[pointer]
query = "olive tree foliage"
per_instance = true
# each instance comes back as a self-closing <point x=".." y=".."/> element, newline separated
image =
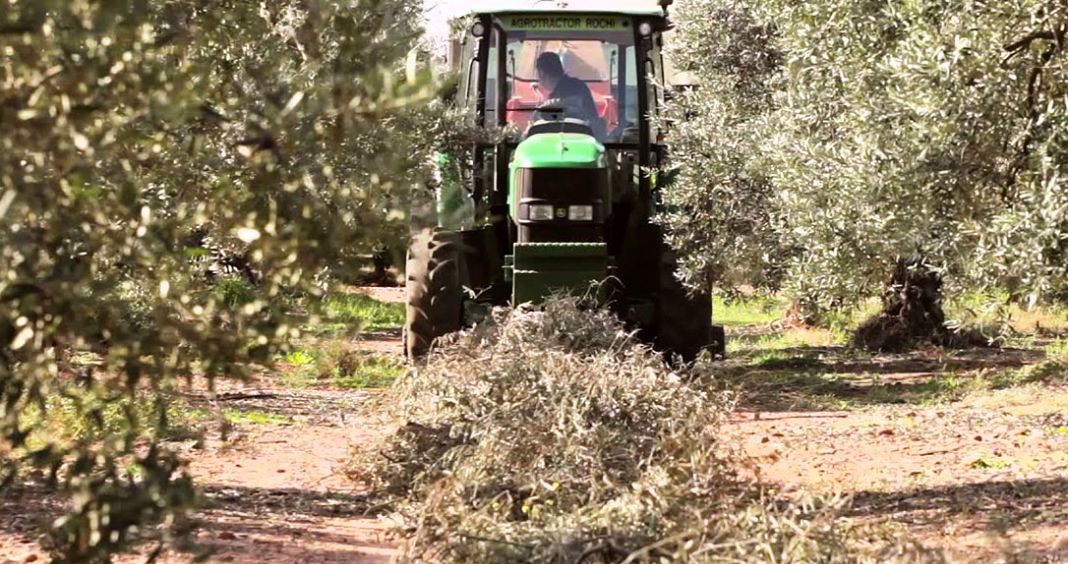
<point x="885" y="130"/>
<point x="124" y="128"/>
<point x="720" y="212"/>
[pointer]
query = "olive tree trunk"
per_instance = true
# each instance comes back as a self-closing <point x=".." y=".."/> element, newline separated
<point x="912" y="311"/>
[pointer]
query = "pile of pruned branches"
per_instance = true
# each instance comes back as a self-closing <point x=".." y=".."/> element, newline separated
<point x="553" y="436"/>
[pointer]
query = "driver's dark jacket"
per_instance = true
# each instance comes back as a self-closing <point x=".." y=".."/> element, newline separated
<point x="571" y="87"/>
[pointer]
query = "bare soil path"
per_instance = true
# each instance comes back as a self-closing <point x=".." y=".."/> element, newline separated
<point x="277" y="492"/>
<point x="383" y="342"/>
<point x="983" y="476"/>
<point x="275" y="489"/>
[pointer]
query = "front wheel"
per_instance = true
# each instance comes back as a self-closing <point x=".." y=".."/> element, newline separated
<point x="435" y="293"/>
<point x="684" y="318"/>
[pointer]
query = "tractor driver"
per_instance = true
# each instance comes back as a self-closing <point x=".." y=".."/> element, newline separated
<point x="573" y="92"/>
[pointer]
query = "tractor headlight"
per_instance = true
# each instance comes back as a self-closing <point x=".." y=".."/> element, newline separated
<point x="539" y="212"/>
<point x="580" y="213"/>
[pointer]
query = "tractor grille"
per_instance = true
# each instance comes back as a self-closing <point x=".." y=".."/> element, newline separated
<point x="562" y="187"/>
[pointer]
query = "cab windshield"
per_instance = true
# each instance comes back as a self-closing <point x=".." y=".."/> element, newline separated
<point x="604" y="62"/>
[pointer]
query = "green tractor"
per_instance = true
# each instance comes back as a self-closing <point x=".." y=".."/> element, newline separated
<point x="566" y="200"/>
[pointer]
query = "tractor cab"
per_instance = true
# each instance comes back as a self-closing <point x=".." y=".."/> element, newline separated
<point x="611" y="49"/>
<point x="599" y="52"/>
<point x="564" y="196"/>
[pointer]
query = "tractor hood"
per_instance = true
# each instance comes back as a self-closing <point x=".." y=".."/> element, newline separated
<point x="559" y="150"/>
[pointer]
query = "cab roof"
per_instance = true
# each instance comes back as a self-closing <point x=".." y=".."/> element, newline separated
<point x="650" y="8"/>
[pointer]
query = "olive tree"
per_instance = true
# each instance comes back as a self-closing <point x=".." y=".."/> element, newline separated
<point x="930" y="133"/>
<point x="124" y="128"/>
<point x="720" y="210"/>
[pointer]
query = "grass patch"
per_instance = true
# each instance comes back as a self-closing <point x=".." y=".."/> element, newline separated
<point x="237" y="417"/>
<point x="793" y="390"/>
<point x="749" y="310"/>
<point x="300" y="358"/>
<point x="86" y="416"/>
<point x="780" y="344"/>
<point x="371" y="371"/>
<point x="783" y="360"/>
<point x="1057" y="350"/>
<point x="254" y="417"/>
<point x="993" y="310"/>
<point x="1049" y="372"/>
<point x="804" y="368"/>
<point x="790" y="380"/>
<point x="938" y="390"/>
<point x="335" y="363"/>
<point x="991" y="463"/>
<point x="364" y="312"/>
<point x="235" y="291"/>
<point x="798" y="390"/>
<point x="843" y="324"/>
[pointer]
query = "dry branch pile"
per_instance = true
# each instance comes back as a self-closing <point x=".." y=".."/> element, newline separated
<point x="553" y="436"/>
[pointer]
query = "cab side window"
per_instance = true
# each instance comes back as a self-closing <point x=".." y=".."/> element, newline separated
<point x="469" y="70"/>
<point x="492" y="79"/>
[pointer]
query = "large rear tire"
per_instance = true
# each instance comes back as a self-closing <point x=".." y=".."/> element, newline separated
<point x="683" y="318"/>
<point x="434" y="288"/>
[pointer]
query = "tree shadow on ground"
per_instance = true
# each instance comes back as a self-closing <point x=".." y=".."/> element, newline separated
<point x="828" y="378"/>
<point x="314" y="404"/>
<point x="846" y="361"/>
<point x="251" y="524"/>
<point x="262" y="524"/>
<point x="289" y="501"/>
<point x="994" y="507"/>
<point x="27" y="510"/>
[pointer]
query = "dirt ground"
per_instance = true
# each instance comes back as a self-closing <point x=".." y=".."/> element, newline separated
<point x="384" y="342"/>
<point x="278" y="492"/>
<point x="274" y="491"/>
<point x="983" y="475"/>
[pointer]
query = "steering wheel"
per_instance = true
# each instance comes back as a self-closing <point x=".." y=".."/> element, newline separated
<point x="570" y="107"/>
